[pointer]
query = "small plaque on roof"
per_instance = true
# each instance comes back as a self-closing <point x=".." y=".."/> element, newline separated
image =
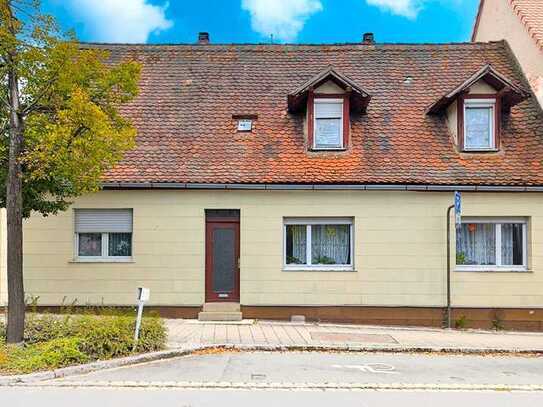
<point x="245" y="125"/>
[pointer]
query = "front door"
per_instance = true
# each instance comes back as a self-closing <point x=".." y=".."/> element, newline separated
<point x="222" y="259"/>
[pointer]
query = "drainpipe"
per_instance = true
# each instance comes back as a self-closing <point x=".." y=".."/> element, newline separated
<point x="449" y="265"/>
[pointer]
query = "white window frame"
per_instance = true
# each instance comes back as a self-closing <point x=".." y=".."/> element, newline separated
<point x="481" y="103"/>
<point x="308" y="222"/>
<point x="498" y="266"/>
<point x="315" y="118"/>
<point x="105" y="257"/>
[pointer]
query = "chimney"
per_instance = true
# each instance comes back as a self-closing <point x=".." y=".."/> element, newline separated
<point x="203" y="38"/>
<point x="368" y="38"/>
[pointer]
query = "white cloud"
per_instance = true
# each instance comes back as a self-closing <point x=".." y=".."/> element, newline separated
<point x="406" y="8"/>
<point x="282" y="18"/>
<point x="120" y="20"/>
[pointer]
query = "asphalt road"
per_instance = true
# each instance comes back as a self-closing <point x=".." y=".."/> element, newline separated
<point x="320" y="368"/>
<point x="115" y="397"/>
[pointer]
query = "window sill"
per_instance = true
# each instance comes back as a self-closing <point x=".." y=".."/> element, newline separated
<point x="102" y="260"/>
<point x="319" y="270"/>
<point x="491" y="270"/>
<point x="482" y="150"/>
<point x="319" y="150"/>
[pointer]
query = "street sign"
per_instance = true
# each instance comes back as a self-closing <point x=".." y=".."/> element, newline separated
<point x="458" y="208"/>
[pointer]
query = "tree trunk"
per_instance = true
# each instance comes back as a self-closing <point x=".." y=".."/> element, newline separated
<point x="14" y="209"/>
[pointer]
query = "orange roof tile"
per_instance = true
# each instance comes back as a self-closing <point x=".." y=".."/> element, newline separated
<point x="189" y="94"/>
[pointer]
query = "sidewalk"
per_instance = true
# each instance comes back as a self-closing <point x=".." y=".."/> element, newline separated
<point x="183" y="333"/>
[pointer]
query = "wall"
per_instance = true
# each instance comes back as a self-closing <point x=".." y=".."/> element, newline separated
<point x="399" y="250"/>
<point x="3" y="259"/>
<point x="498" y="21"/>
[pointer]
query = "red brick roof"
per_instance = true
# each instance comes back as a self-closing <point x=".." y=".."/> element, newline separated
<point x="189" y="93"/>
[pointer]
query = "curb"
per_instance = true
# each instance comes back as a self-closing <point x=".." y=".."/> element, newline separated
<point x="190" y="349"/>
<point x="293" y="386"/>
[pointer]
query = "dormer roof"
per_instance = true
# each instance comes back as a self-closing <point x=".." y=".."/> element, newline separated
<point x="359" y="98"/>
<point x="510" y="93"/>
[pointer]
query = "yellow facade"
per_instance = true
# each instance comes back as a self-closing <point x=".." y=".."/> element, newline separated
<point x="399" y="250"/>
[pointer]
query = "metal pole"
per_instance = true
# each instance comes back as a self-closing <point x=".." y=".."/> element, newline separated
<point x="138" y="322"/>
<point x="449" y="265"/>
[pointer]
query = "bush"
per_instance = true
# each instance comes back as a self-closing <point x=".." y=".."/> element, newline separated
<point x="43" y="328"/>
<point x="48" y="355"/>
<point x="59" y="340"/>
<point x="107" y="337"/>
<point x="2" y="332"/>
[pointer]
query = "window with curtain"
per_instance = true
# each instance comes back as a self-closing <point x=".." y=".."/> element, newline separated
<point x="491" y="244"/>
<point x="328" y="131"/>
<point x="479" y="124"/>
<point x="103" y="234"/>
<point x="318" y="244"/>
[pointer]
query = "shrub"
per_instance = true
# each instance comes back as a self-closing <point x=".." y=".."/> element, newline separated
<point x="59" y="340"/>
<point x="112" y="336"/>
<point x="48" y="355"/>
<point x="45" y="327"/>
<point x="2" y="332"/>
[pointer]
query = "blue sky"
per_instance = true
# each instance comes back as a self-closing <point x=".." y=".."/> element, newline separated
<point x="251" y="21"/>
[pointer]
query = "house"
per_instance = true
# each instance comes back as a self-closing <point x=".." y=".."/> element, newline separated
<point x="520" y="22"/>
<point x="314" y="180"/>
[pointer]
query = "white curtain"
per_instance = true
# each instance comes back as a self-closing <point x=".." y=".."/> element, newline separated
<point x="476" y="244"/>
<point x="478" y="127"/>
<point x="330" y="244"/>
<point x="298" y="234"/>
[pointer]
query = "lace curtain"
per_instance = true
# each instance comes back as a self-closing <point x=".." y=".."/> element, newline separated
<point x="476" y="244"/>
<point x="478" y="127"/>
<point x="296" y="242"/>
<point x="330" y="244"/>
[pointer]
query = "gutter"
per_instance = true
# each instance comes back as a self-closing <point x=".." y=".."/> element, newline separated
<point x="321" y="187"/>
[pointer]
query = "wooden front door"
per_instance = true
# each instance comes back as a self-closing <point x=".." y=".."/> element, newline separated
<point x="222" y="260"/>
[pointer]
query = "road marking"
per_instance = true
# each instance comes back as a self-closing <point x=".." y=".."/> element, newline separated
<point x="370" y="368"/>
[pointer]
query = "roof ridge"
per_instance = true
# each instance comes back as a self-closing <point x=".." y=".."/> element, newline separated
<point x="295" y="45"/>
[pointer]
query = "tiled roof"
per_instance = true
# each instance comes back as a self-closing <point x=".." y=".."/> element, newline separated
<point x="189" y="93"/>
<point x="530" y="13"/>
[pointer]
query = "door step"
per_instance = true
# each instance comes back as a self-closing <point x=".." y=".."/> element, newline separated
<point x="220" y="311"/>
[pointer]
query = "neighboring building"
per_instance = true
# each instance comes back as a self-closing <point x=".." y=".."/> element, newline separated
<point x="313" y="180"/>
<point x="520" y="22"/>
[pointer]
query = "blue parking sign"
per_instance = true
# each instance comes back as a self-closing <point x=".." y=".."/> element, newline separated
<point x="458" y="207"/>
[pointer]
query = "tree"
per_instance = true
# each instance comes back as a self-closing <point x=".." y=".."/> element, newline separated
<point x="60" y="126"/>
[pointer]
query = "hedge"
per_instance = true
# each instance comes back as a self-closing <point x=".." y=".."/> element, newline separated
<point x="53" y="341"/>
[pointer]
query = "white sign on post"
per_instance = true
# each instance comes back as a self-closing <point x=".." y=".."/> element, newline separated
<point x="458" y="208"/>
<point x="143" y="297"/>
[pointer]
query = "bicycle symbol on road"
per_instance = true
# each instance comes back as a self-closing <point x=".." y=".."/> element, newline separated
<point x="370" y="368"/>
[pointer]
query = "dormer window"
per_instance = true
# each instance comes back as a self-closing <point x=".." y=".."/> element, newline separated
<point x="328" y="126"/>
<point x="474" y="109"/>
<point x="479" y="124"/>
<point x="328" y="100"/>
